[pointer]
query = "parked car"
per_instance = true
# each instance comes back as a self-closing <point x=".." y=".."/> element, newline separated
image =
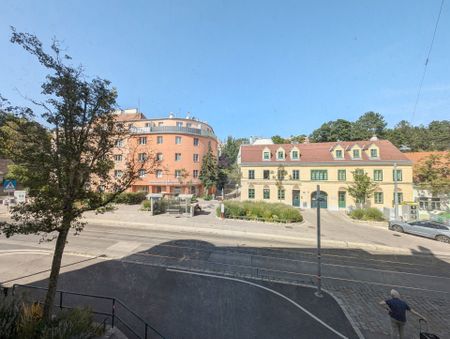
<point x="424" y="228"/>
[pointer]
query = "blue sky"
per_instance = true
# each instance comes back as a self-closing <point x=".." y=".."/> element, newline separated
<point x="246" y="67"/>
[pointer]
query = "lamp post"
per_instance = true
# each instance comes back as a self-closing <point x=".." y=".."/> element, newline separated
<point x="318" y="293"/>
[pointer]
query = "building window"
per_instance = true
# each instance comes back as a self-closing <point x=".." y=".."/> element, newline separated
<point x="295" y="175"/>
<point x="374" y="153"/>
<point x="195" y="157"/>
<point x="378" y="197"/>
<point x="159" y="156"/>
<point x="294" y="155"/>
<point x="159" y="173"/>
<point x="118" y="157"/>
<point x="356" y="154"/>
<point x="338" y="154"/>
<point x="195" y="141"/>
<point x="178" y="140"/>
<point x="398" y="177"/>
<point x="266" y="155"/>
<point x="319" y="175"/>
<point x="177" y="156"/>
<point x="251" y="193"/>
<point x="195" y="173"/>
<point x="159" y="139"/>
<point x="177" y="174"/>
<point x="118" y="173"/>
<point x="266" y="193"/>
<point x="142" y="140"/>
<point x="359" y="171"/>
<point x="342" y="175"/>
<point x="142" y="173"/>
<point x="119" y="143"/>
<point x="179" y="124"/>
<point x="378" y="175"/>
<point x="399" y="197"/>
<point x="142" y="157"/>
<point x="188" y="124"/>
<point x="281" y="194"/>
<point x="160" y="123"/>
<point x="280" y="174"/>
<point x="251" y="174"/>
<point x="280" y="155"/>
<point x="266" y="174"/>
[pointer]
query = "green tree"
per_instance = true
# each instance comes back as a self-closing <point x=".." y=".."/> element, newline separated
<point x="439" y="135"/>
<point x="362" y="187"/>
<point x="65" y="162"/>
<point x="279" y="140"/>
<point x="209" y="171"/>
<point x="433" y="174"/>
<point x="339" y="129"/>
<point x="367" y="125"/>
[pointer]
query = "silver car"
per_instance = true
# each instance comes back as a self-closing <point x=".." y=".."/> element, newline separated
<point x="424" y="228"/>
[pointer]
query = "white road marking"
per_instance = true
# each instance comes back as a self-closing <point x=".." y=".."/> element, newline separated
<point x="267" y="289"/>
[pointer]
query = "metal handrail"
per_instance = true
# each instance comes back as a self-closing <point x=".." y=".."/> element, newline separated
<point x="112" y="314"/>
<point x="172" y="129"/>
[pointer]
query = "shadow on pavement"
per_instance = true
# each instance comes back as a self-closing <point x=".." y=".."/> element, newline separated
<point x="187" y="305"/>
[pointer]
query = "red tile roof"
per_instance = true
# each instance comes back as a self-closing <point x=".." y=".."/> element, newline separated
<point x="416" y="157"/>
<point x="321" y="152"/>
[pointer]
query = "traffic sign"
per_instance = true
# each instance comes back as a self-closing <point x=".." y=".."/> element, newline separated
<point x="9" y="185"/>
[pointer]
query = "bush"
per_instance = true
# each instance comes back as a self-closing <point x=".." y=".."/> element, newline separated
<point x="369" y="214"/>
<point x="146" y="205"/>
<point x="260" y="210"/>
<point x="129" y="198"/>
<point x="22" y="320"/>
<point x="207" y="197"/>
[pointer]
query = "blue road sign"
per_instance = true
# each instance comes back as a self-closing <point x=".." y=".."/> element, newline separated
<point x="9" y="185"/>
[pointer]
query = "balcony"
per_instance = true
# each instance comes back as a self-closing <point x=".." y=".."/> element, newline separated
<point x="171" y="129"/>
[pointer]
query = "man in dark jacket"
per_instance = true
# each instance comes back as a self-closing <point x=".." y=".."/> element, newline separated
<point x="397" y="310"/>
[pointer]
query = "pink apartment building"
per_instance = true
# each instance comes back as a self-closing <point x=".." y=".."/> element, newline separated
<point x="179" y="145"/>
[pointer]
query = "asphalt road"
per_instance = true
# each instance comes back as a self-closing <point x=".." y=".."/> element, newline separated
<point x="182" y="304"/>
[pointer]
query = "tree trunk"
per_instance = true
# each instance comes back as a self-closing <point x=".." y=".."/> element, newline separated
<point x="54" y="275"/>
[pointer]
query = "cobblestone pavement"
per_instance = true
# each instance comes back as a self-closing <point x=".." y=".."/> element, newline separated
<point x="361" y="303"/>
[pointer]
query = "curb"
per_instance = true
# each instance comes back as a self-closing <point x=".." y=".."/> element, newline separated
<point x="260" y="236"/>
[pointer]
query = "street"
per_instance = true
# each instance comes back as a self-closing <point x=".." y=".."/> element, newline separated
<point x="358" y="275"/>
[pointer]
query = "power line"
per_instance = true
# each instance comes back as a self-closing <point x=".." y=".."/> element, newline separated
<point x="426" y="62"/>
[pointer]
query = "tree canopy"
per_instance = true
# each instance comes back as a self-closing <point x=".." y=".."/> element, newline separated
<point x="66" y="163"/>
<point x="209" y="171"/>
<point x="362" y="186"/>
<point x="433" y="173"/>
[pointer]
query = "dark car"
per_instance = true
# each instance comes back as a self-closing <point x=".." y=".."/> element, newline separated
<point x="424" y="228"/>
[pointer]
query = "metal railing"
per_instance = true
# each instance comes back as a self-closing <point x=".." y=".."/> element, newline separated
<point x="172" y="129"/>
<point x="114" y="306"/>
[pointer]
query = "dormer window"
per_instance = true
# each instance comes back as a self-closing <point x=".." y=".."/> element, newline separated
<point x="338" y="154"/>
<point x="294" y="155"/>
<point x="266" y="155"/>
<point x="356" y="154"/>
<point x="280" y="155"/>
<point x="374" y="153"/>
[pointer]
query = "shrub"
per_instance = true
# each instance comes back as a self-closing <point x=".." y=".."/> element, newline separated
<point x="261" y="210"/>
<point x="370" y="213"/>
<point x="208" y="197"/>
<point x="9" y="316"/>
<point x="129" y="198"/>
<point x="22" y="320"/>
<point x="146" y="205"/>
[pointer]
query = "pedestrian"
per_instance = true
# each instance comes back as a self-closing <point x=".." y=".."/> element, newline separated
<point x="397" y="310"/>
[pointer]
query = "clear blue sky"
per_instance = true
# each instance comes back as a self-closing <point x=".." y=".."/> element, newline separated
<point x="247" y="67"/>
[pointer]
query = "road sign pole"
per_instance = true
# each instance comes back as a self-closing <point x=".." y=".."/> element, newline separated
<point x="318" y="293"/>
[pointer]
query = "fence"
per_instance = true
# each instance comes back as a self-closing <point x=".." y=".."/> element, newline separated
<point x="105" y="308"/>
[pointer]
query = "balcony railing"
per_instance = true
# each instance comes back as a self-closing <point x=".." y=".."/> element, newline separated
<point x="171" y="129"/>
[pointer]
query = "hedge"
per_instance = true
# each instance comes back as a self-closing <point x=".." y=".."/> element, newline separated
<point x="370" y="213"/>
<point x="129" y="198"/>
<point x="260" y="210"/>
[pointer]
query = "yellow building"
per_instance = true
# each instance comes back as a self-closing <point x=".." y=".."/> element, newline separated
<point x="290" y="173"/>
